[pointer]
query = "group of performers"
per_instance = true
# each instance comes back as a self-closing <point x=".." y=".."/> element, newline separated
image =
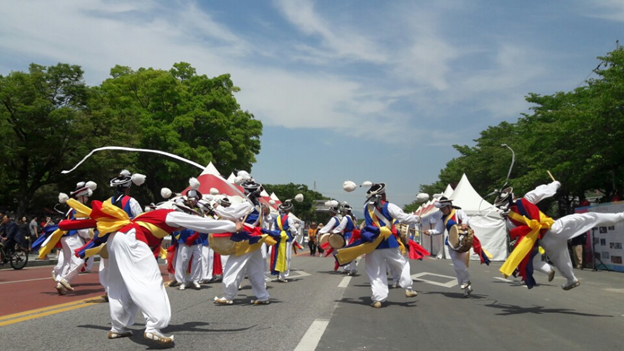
<point x="246" y="236"/>
<point x="129" y="241"/>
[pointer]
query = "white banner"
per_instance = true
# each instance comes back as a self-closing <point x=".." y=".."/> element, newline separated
<point x="607" y="241"/>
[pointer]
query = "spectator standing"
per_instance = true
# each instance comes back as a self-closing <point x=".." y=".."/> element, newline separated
<point x="2" y="226"/>
<point x="577" y="250"/>
<point x="24" y="233"/>
<point x="34" y="228"/>
<point x="312" y="238"/>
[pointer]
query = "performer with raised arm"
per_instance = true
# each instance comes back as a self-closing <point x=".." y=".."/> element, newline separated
<point x="134" y="278"/>
<point x="530" y="228"/>
<point x="73" y="239"/>
<point x="246" y="256"/>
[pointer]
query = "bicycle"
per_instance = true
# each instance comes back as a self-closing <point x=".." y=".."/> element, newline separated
<point x="18" y="257"/>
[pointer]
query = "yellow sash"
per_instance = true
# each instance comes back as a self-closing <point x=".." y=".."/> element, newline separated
<point x="527" y="242"/>
<point x="375" y="220"/>
<point x="50" y="243"/>
<point x="349" y="254"/>
<point x="119" y="218"/>
<point x="280" y="261"/>
<point x="97" y="250"/>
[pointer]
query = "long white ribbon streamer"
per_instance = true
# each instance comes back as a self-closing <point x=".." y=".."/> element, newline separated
<point x="121" y="148"/>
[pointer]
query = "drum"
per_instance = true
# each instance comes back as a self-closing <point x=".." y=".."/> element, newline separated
<point x="403" y="232"/>
<point x="322" y="239"/>
<point x="460" y="239"/>
<point x="222" y="244"/>
<point x="336" y="241"/>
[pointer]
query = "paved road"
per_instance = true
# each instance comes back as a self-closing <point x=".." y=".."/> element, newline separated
<point x="323" y="310"/>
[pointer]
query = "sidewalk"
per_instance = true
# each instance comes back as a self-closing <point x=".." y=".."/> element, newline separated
<point x="33" y="261"/>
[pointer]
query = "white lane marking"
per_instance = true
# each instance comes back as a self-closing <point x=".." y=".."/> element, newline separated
<point x="26" y="280"/>
<point x="344" y="282"/>
<point x="294" y="274"/>
<point x="503" y="279"/>
<point x="451" y="283"/>
<point x="615" y="290"/>
<point x="312" y="337"/>
<point x="509" y="281"/>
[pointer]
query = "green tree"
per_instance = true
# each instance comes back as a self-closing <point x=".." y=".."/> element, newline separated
<point x="576" y="135"/>
<point x="303" y="210"/>
<point x="186" y="114"/>
<point x="44" y="125"/>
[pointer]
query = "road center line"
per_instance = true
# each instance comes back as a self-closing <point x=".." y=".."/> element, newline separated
<point x="46" y="311"/>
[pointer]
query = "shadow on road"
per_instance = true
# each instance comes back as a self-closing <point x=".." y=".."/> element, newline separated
<point x="507" y="309"/>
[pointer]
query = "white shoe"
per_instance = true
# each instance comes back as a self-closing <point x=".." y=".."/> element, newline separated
<point x="53" y="276"/>
<point x="182" y="287"/>
<point x="196" y="285"/>
<point x="410" y="293"/>
<point x="260" y="302"/>
<point x="467" y="290"/>
<point x="158" y="337"/>
<point x="571" y="286"/>
<point x="223" y="301"/>
<point x="66" y="285"/>
<point x="60" y="289"/>
<point x="117" y="335"/>
<point x="376" y="304"/>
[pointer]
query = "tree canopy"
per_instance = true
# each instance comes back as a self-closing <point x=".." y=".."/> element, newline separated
<point x="575" y="135"/>
<point x="50" y="119"/>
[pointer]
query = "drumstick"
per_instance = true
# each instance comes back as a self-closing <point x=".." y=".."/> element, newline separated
<point x="551" y="176"/>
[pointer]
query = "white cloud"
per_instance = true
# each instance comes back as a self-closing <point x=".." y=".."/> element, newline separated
<point x="338" y="38"/>
<point x="612" y="10"/>
<point x="385" y="75"/>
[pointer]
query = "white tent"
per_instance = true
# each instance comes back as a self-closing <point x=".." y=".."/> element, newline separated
<point x="485" y="219"/>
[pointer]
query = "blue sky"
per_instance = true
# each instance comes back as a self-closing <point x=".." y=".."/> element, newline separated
<point x="346" y="90"/>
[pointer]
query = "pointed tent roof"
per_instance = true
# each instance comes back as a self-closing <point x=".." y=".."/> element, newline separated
<point x="276" y="199"/>
<point x="448" y="191"/>
<point x="231" y="178"/>
<point x="469" y="200"/>
<point x="211" y="178"/>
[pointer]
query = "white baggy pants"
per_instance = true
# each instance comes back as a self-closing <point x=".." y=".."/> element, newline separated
<point x="459" y="264"/>
<point x="555" y="241"/>
<point x="188" y="254"/>
<point x="234" y="273"/>
<point x="71" y="264"/>
<point x="207" y="260"/>
<point x="376" y="262"/>
<point x="135" y="282"/>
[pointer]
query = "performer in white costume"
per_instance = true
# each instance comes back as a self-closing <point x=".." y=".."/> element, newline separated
<point x="250" y="262"/>
<point x="73" y="240"/>
<point x="380" y="213"/>
<point x="346" y="228"/>
<point x="531" y="228"/>
<point x="452" y="215"/>
<point x="134" y="278"/>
